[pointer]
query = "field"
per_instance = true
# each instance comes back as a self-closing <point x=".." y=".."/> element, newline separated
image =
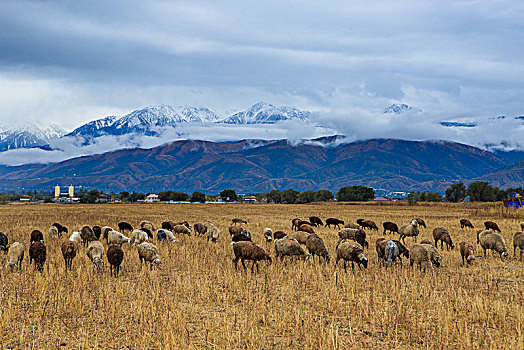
<point x="196" y="299"/>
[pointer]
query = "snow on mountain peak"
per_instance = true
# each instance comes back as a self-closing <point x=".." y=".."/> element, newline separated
<point x="265" y="113"/>
<point x="400" y="109"/>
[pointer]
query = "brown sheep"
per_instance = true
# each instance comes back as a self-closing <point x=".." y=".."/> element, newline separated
<point x="249" y="251"/>
<point x="467" y="251"/>
<point x="490" y="225"/>
<point x="357" y="235"/>
<point x="181" y="229"/>
<point x="306" y="228"/>
<point x="390" y="226"/>
<point x="279" y="234"/>
<point x="239" y="221"/>
<point x="168" y="225"/>
<point x="315" y="221"/>
<point x="68" y="252"/>
<point x="369" y="224"/>
<point x="36" y="236"/>
<point x="115" y="255"/>
<point x="200" y="228"/>
<point x="87" y="235"/>
<point x="351" y="251"/>
<point x="518" y="241"/>
<point x="37" y="252"/>
<point x="315" y="245"/>
<point x="301" y="236"/>
<point x="97" y="230"/>
<point x="294" y="223"/>
<point x="420" y="254"/>
<point x="465" y="223"/>
<point x="421" y="222"/>
<point x="380" y="244"/>
<point x="288" y="246"/>
<point x="235" y="230"/>
<point x="442" y="235"/>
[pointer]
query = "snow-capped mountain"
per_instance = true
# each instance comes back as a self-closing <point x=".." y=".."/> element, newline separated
<point x="265" y="113"/>
<point x="400" y="109"/>
<point x="29" y="136"/>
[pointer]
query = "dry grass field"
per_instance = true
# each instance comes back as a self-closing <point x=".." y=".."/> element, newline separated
<point x="196" y="299"/>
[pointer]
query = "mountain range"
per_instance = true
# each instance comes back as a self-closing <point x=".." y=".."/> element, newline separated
<point x="29" y="136"/>
<point x="253" y="166"/>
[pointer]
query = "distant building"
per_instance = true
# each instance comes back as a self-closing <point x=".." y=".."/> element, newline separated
<point x="103" y="198"/>
<point x="250" y="199"/>
<point x="152" y="198"/>
<point x="64" y="195"/>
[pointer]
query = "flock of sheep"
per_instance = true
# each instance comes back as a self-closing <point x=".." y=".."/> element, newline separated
<point x="350" y="247"/>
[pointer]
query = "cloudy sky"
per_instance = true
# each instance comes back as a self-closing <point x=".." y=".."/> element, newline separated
<point x="69" y="62"/>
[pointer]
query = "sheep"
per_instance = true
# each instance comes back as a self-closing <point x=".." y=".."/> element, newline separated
<point x="442" y="235"/>
<point x="381" y="249"/>
<point x="420" y="222"/>
<point x="421" y="255"/>
<point x="161" y="235"/>
<point x="390" y="226"/>
<point x="87" y="235"/>
<point x="243" y="236"/>
<point x="297" y="222"/>
<point x="168" y="225"/>
<point x="410" y="230"/>
<point x="301" y="236"/>
<point x="68" y="252"/>
<point x="4" y="242"/>
<point x="212" y="232"/>
<point x="125" y="226"/>
<point x="148" y="224"/>
<point x="146" y="230"/>
<point x="149" y="253"/>
<point x="249" y="251"/>
<point x="426" y="241"/>
<point x="351" y="251"/>
<point x="357" y="235"/>
<point x="138" y="236"/>
<point x="306" y="228"/>
<point x="15" y="257"/>
<point x="61" y="229"/>
<point x="465" y="223"/>
<point x="117" y="238"/>
<point x="115" y="255"/>
<point x="380" y="243"/>
<point x="75" y="238"/>
<point x="518" y="241"/>
<point x="200" y="228"/>
<point x="97" y="230"/>
<point x="288" y="246"/>
<point x="170" y="236"/>
<point x="105" y="231"/>
<point x="181" y="229"/>
<point x="436" y="258"/>
<point x="315" y="221"/>
<point x="391" y="252"/>
<point x="37" y="236"/>
<point x="239" y="221"/>
<point x="491" y="240"/>
<point x="53" y="232"/>
<point x="491" y="225"/>
<point x="186" y="224"/>
<point x="95" y="252"/>
<point x="37" y="252"/>
<point x="315" y="245"/>
<point x="352" y="225"/>
<point x="335" y="222"/>
<point x="268" y="234"/>
<point x="279" y="235"/>
<point x="235" y="230"/>
<point x="467" y="251"/>
<point x="360" y="221"/>
<point x="369" y="224"/>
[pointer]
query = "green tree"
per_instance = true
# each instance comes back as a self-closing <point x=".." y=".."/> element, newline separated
<point x="231" y="194"/>
<point x="323" y="196"/>
<point x="173" y="196"/>
<point x="198" y="197"/>
<point x="90" y="197"/>
<point x="133" y="197"/>
<point x="433" y="197"/>
<point x="124" y="196"/>
<point x="274" y="196"/>
<point x="456" y="192"/>
<point x="289" y="196"/>
<point x="306" y="197"/>
<point x="481" y="191"/>
<point x="355" y="193"/>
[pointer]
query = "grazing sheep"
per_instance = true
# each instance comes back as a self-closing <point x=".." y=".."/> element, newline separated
<point x="186" y="224"/>
<point x="4" y="242"/>
<point x="420" y="254"/>
<point x="235" y="230"/>
<point x="243" y="236"/>
<point x="75" y="238"/>
<point x="390" y="226"/>
<point x="442" y="235"/>
<point x="352" y="225"/>
<point x="149" y="225"/>
<point x="426" y="241"/>
<point x="181" y="229"/>
<point x="15" y="257"/>
<point x="249" y="251"/>
<point x="239" y="221"/>
<point x="149" y="253"/>
<point x="315" y="245"/>
<point x="61" y="229"/>
<point x="410" y="230"/>
<point x="490" y="225"/>
<point x="288" y="246"/>
<point x="294" y="223"/>
<point x="95" y="252"/>
<point x="200" y="228"/>
<point x="491" y="240"/>
<point x="391" y="252"/>
<point x="105" y="231"/>
<point x="212" y="232"/>
<point x="360" y="221"/>
<point x="161" y="235"/>
<point x="97" y="231"/>
<point x="87" y="235"/>
<point x="306" y="228"/>
<point x="335" y="222"/>
<point x="125" y="226"/>
<point x="138" y="236"/>
<point x="518" y="241"/>
<point x="168" y="225"/>
<point x="279" y="235"/>
<point x="115" y="255"/>
<point x="351" y="251"/>
<point x="465" y="223"/>
<point x="437" y="259"/>
<point x="420" y="222"/>
<point x="37" y="252"/>
<point x="467" y="251"/>
<point x="315" y="221"/>
<point x="380" y="245"/>
<point x="53" y="232"/>
<point x="381" y="248"/>
<point x="268" y="234"/>
<point x="369" y="224"/>
<point x="357" y="235"/>
<point x="37" y="236"/>
<point x="68" y="252"/>
<point x="117" y="238"/>
<point x="301" y="236"/>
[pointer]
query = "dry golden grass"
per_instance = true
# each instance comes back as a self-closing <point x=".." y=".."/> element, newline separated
<point x="197" y="300"/>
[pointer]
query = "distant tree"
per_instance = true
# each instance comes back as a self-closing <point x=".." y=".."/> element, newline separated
<point x="501" y="194"/>
<point x="481" y="191"/>
<point x="355" y="193"/>
<point x="433" y="197"/>
<point x="456" y="192"/>
<point x="289" y="196"/>
<point x="274" y="196"/>
<point x="231" y="194"/>
<point x="124" y="195"/>
<point x="412" y="198"/>
<point x="133" y="197"/>
<point x="48" y="200"/>
<point x="323" y="196"/>
<point x="173" y="196"/>
<point x="198" y="197"/>
<point x="306" y="197"/>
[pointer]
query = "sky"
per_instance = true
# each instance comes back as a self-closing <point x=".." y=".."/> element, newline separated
<point x="70" y="62"/>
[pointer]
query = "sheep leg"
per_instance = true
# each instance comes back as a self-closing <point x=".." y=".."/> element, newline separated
<point x="345" y="264"/>
<point x="244" y="265"/>
<point x="462" y="260"/>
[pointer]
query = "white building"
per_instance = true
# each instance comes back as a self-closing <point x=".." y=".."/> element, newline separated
<point x="152" y="198"/>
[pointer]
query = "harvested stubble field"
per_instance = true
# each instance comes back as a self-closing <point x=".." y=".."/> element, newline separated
<point x="197" y="300"/>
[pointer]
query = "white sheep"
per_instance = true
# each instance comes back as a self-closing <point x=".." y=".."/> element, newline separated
<point x="95" y="252"/>
<point x="53" y="232"/>
<point x="75" y="238"/>
<point x="410" y="230"/>
<point x="138" y="236"/>
<point x="115" y="237"/>
<point x="15" y="255"/>
<point x="212" y="231"/>
<point x="148" y="252"/>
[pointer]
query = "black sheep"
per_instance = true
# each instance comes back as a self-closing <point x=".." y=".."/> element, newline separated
<point x="4" y="242"/>
<point x="335" y="222"/>
<point x="315" y="221"/>
<point x="125" y="226"/>
<point x="37" y="236"/>
<point x="491" y="225"/>
<point x="390" y="226"/>
<point x="97" y="231"/>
